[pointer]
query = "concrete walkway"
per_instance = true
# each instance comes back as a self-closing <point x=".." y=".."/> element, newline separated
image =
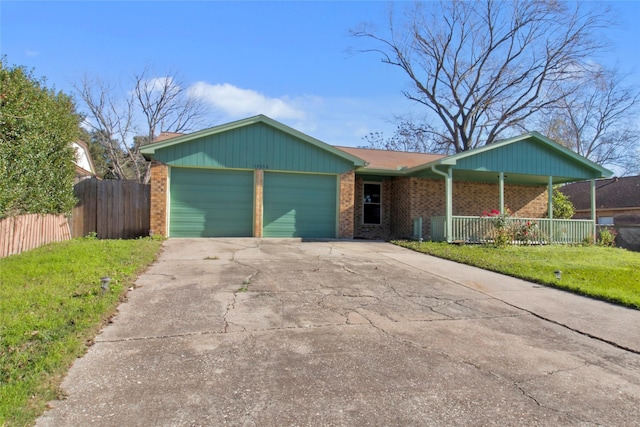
<point x="272" y="332"/>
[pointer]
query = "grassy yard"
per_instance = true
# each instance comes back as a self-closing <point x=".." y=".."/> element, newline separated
<point x="51" y="307"/>
<point x="609" y="274"/>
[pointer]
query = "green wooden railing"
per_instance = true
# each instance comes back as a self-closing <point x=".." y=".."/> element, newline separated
<point x="474" y="229"/>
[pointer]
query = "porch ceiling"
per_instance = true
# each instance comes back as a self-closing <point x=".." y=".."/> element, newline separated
<point x="509" y="178"/>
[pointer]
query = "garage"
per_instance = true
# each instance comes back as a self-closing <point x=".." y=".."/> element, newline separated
<point x="254" y="177"/>
<point x="299" y="205"/>
<point x="211" y="203"/>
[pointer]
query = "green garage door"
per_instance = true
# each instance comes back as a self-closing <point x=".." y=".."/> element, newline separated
<point x="299" y="205"/>
<point x="211" y="203"/>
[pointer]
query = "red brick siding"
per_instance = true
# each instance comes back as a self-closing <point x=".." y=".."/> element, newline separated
<point x="159" y="189"/>
<point x="347" y="201"/>
<point x="258" y="202"/>
<point x="401" y="216"/>
<point x="417" y="197"/>
<point x="368" y="231"/>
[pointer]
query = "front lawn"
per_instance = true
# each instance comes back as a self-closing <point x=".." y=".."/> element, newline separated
<point x="51" y="307"/>
<point x="610" y="274"/>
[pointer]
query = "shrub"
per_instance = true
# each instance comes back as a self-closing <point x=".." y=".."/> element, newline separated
<point x="37" y="127"/>
<point x="607" y="237"/>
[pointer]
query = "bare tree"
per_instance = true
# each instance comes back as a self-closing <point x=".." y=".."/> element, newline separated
<point x="484" y="67"/>
<point x="111" y="119"/>
<point x="410" y="135"/>
<point x="599" y="120"/>
<point x="164" y="103"/>
<point x="167" y="105"/>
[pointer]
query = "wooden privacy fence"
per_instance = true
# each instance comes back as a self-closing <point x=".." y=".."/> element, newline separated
<point x="112" y="209"/>
<point x="25" y="232"/>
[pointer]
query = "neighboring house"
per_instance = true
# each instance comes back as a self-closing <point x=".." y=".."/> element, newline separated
<point x="258" y="177"/>
<point x="617" y="200"/>
<point x="83" y="161"/>
<point x="167" y="135"/>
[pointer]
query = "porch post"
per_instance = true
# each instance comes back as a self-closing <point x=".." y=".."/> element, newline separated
<point x="550" y="208"/>
<point x="449" y="204"/>
<point x="501" y="185"/>
<point x="593" y="207"/>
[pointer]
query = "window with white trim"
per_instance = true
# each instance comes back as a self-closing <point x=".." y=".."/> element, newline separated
<point x="605" y="220"/>
<point x="372" y="204"/>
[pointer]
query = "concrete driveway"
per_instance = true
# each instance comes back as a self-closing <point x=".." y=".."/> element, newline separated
<point x="251" y="332"/>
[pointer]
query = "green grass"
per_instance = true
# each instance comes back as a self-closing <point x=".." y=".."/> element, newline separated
<point x="51" y="307"/>
<point x="604" y="273"/>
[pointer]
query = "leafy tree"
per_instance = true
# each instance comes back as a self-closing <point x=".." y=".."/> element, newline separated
<point x="562" y="206"/>
<point x="483" y="68"/>
<point x="37" y="127"/>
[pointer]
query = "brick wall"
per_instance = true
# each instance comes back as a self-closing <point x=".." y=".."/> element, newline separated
<point x="621" y="216"/>
<point x="418" y="197"/>
<point x="347" y="200"/>
<point x="159" y="182"/>
<point x="474" y="198"/>
<point x="258" y="202"/>
<point x="401" y="215"/>
<point x="369" y="231"/>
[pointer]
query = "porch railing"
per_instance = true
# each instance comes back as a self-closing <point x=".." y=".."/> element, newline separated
<point x="474" y="229"/>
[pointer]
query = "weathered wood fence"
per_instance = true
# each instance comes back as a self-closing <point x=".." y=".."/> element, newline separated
<point x="109" y="208"/>
<point x="25" y="232"/>
<point x="112" y="209"/>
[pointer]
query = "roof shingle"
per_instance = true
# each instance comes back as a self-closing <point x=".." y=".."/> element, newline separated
<point x="610" y="193"/>
<point x="391" y="160"/>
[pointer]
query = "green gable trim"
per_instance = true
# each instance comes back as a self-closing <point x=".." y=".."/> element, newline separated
<point x="531" y="154"/>
<point x="254" y="143"/>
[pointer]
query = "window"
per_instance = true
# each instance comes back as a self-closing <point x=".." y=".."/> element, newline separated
<point x="605" y="220"/>
<point x="371" y="204"/>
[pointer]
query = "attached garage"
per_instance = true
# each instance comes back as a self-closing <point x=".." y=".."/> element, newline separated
<point x="254" y="177"/>
<point x="211" y="203"/>
<point x="299" y="205"/>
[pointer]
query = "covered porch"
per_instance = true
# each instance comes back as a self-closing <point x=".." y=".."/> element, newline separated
<point x="525" y="231"/>
<point x="527" y="160"/>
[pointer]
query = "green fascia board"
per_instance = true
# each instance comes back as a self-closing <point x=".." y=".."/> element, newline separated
<point x="149" y="150"/>
<point x="599" y="171"/>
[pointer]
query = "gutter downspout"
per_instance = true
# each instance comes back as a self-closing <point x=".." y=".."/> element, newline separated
<point x="501" y="187"/>
<point x="448" y="180"/>
<point x="550" y="208"/>
<point x="593" y="208"/>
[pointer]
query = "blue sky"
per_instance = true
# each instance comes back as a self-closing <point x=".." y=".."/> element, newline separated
<point x="288" y="60"/>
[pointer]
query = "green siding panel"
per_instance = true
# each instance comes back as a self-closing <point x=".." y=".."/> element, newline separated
<point x="525" y="157"/>
<point x="257" y="146"/>
<point x="211" y="203"/>
<point x="299" y="205"/>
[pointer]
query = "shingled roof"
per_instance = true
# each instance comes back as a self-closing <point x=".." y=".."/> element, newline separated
<point x="610" y="193"/>
<point x="391" y="160"/>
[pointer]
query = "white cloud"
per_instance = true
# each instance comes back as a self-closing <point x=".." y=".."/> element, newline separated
<point x="160" y="84"/>
<point x="238" y="102"/>
<point x="31" y="53"/>
<point x="334" y="120"/>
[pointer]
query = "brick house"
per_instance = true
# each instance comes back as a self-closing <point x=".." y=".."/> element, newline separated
<point x="617" y="200"/>
<point x="257" y="177"/>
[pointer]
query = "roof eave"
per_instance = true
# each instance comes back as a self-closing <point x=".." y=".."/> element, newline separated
<point x="380" y="171"/>
<point x="452" y="160"/>
<point x="149" y="150"/>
